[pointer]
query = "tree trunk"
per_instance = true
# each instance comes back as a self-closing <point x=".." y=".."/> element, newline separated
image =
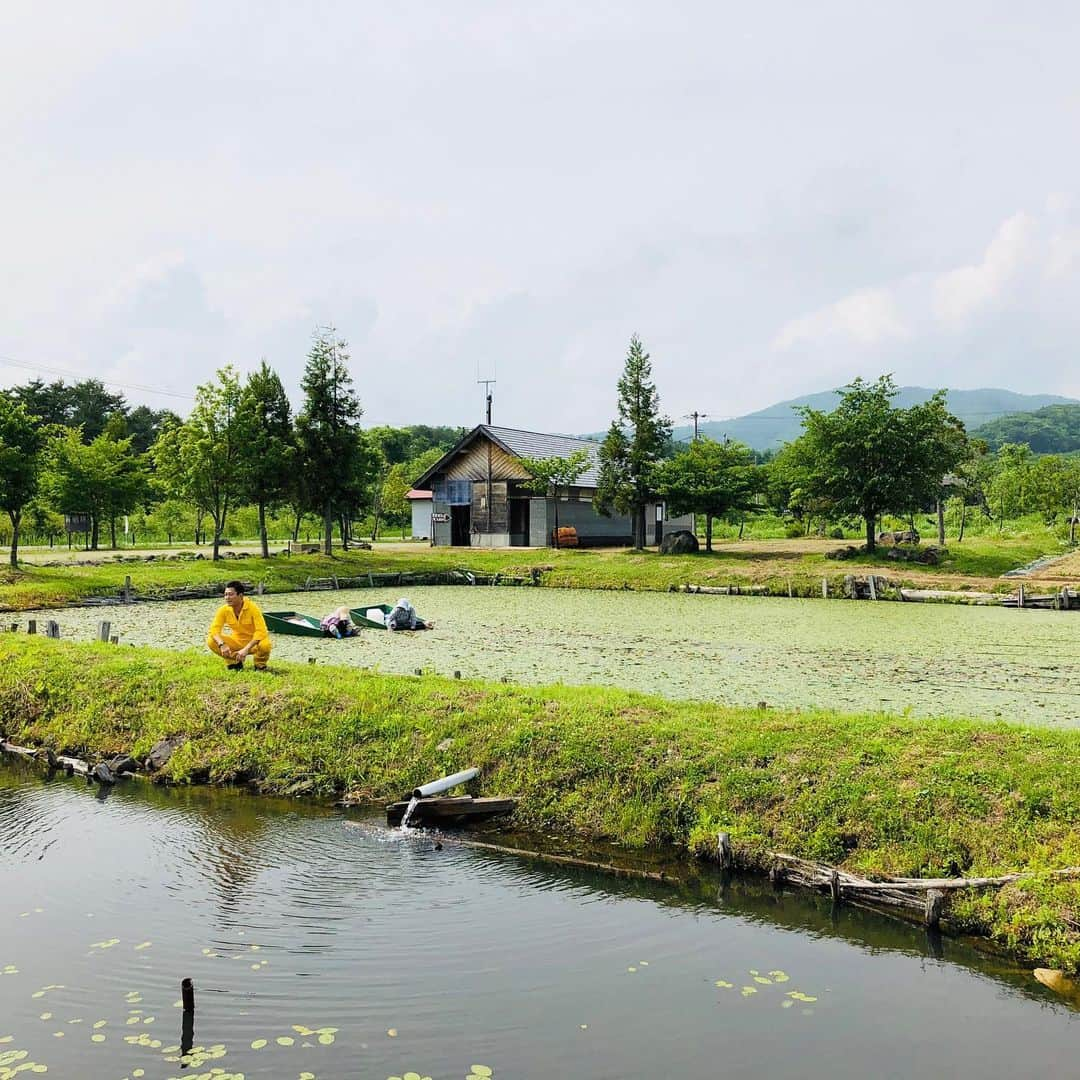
<point x="1072" y="527"/>
<point x="871" y="536"/>
<point x="112" y="531"/>
<point x="298" y="515"/>
<point x="16" y="517"/>
<point x="708" y="532"/>
<point x="940" y="523"/>
<point x="93" y="532"/>
<point x="344" y="526"/>
<point x="639" y="527"/>
<point x="328" y="528"/>
<point x="963" y="521"/>
<point x="262" y="531"/>
<point x="742" y="525"/>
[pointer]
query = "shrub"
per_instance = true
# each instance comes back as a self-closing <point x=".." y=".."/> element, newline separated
<point x="793" y="531"/>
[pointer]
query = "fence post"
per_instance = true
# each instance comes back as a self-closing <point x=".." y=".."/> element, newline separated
<point x="103" y="630"/>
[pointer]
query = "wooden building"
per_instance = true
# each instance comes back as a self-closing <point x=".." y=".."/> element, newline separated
<point x="480" y="497"/>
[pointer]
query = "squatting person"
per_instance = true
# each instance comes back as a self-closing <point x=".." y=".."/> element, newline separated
<point x="239" y="630"/>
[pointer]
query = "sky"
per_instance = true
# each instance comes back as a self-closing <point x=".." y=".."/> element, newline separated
<point x="776" y="197"/>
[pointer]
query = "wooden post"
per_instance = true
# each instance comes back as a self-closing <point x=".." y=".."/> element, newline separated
<point x="1064" y="597"/>
<point x="187" y="995"/>
<point x="1020" y="597"/>
<point x="789" y="588"/>
<point x="259" y="589"/>
<point x="834" y="886"/>
<point x="52" y="629"/>
<point x="824" y="588"/>
<point x="14" y="627"/>
<point x="873" y="587"/>
<point x="127" y="589"/>
<point x="31" y="626"/>
<point x="724" y="852"/>
<point x="935" y="903"/>
<point x="114" y="640"/>
<point x="457" y="674"/>
<point x="335" y="581"/>
<point x="103" y="630"/>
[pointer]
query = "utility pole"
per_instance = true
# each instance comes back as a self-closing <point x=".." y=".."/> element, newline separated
<point x="488" y="384"/>
<point x="696" y="416"/>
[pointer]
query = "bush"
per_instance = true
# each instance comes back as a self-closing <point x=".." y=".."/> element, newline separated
<point x="793" y="531"/>
<point x="836" y="533"/>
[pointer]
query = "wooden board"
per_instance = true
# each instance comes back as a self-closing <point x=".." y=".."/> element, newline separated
<point x="445" y="809"/>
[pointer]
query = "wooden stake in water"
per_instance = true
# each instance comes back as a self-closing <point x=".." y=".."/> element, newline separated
<point x="187" y="995"/>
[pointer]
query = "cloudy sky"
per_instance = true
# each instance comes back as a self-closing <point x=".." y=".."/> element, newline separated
<point x="776" y="197"/>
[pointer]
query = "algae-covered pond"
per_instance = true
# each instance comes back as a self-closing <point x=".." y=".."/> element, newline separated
<point x="324" y="947"/>
<point x="852" y="656"/>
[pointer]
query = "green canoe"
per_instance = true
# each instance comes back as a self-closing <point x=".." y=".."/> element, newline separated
<point x="292" y="624"/>
<point x="373" y="615"/>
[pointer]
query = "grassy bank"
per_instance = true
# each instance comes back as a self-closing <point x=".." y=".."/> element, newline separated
<point x="778" y="565"/>
<point x="870" y="793"/>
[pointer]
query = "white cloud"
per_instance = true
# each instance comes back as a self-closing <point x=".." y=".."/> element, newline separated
<point x="961" y="293"/>
<point x="867" y="317"/>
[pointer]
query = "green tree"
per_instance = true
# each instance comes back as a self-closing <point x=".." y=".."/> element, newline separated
<point x="21" y="442"/>
<point x="199" y="460"/>
<point x="393" y="504"/>
<point x="634" y="445"/>
<point x="552" y="473"/>
<point x="865" y="457"/>
<point x="710" y="478"/>
<point x="327" y="432"/>
<point x="1010" y="487"/>
<point x="267" y="448"/>
<point x="102" y="478"/>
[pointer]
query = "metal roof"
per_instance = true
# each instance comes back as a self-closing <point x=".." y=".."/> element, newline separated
<point x="527" y="445"/>
<point x="531" y="445"/>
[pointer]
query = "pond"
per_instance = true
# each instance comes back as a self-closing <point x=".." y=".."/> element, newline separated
<point x="931" y="659"/>
<point x="323" y="946"/>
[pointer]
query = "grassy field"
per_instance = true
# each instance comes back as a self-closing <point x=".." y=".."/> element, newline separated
<point x="872" y="793"/>
<point x="776" y="564"/>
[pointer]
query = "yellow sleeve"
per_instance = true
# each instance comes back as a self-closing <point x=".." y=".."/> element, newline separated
<point x="217" y="624"/>
<point x="259" y="624"/>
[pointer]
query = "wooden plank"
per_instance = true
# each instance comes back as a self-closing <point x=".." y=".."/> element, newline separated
<point x="450" y="807"/>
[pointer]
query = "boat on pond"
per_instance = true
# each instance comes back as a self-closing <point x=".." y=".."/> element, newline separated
<point x="293" y="624"/>
<point x="373" y="615"/>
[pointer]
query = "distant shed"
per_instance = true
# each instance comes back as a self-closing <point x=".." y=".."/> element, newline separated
<point x="420" y="501"/>
<point x="480" y="496"/>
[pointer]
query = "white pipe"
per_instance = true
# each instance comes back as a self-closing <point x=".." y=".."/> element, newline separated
<point x="437" y="787"/>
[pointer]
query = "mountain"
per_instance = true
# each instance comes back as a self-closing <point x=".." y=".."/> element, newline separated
<point x="1052" y="430"/>
<point x="780" y="423"/>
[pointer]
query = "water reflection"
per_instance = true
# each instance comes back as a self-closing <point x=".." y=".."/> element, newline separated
<point x="310" y="936"/>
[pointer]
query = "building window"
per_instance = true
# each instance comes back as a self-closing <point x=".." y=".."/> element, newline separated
<point x="454" y="492"/>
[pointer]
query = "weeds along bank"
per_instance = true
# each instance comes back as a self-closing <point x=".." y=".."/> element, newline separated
<point x="870" y="793"/>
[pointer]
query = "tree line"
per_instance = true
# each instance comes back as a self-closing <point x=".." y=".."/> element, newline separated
<point x="80" y="450"/>
<point x="864" y="459"/>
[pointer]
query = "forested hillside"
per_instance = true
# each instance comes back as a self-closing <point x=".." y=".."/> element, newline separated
<point x="1052" y="430"/>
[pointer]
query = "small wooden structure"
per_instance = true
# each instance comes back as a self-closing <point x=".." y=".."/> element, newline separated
<point x="449" y="810"/>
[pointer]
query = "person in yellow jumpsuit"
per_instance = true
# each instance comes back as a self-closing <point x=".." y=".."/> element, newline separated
<point x="239" y="630"/>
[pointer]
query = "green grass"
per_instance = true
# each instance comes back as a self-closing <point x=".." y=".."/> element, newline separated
<point x="775" y="564"/>
<point x="873" y="793"/>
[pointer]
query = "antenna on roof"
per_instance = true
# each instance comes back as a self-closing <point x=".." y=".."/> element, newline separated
<point x="488" y="384"/>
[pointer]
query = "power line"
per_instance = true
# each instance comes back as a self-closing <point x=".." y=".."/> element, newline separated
<point x="12" y="362"/>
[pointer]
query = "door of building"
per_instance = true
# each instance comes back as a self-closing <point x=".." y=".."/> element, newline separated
<point x="519" y="522"/>
<point x="460" y="525"/>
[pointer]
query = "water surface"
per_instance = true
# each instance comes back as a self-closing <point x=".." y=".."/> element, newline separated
<point x="355" y="952"/>
<point x="929" y="659"/>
